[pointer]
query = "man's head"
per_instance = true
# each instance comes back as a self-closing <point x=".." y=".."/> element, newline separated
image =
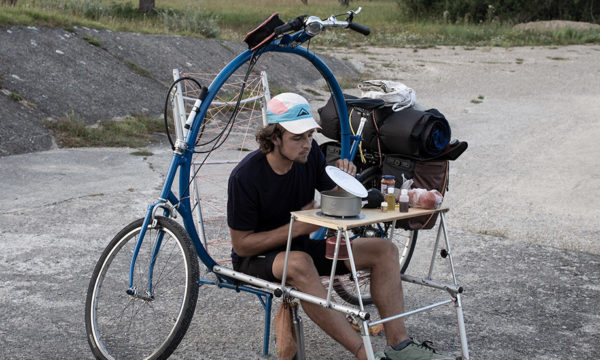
<point x="285" y="112"/>
<point x="292" y="112"/>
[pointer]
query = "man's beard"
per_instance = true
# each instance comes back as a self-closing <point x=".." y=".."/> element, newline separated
<point x="302" y="159"/>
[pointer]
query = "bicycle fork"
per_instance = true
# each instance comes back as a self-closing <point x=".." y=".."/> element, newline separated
<point x="150" y="221"/>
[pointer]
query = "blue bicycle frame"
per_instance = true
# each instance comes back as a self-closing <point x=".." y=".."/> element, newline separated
<point x="182" y="157"/>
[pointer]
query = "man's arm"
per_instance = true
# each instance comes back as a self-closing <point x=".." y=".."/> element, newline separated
<point x="250" y="243"/>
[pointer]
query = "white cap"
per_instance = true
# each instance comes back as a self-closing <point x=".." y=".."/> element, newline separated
<point x="292" y="112"/>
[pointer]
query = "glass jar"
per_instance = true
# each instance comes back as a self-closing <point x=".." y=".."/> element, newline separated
<point x="387" y="181"/>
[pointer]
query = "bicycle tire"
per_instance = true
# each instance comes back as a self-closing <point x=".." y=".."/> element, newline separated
<point x="124" y="326"/>
<point x="345" y="287"/>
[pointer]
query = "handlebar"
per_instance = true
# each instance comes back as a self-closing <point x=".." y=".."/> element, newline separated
<point x="293" y="25"/>
<point x="359" y="28"/>
<point x="313" y="25"/>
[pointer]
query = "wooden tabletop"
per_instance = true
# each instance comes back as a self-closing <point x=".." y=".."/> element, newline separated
<point x="368" y="216"/>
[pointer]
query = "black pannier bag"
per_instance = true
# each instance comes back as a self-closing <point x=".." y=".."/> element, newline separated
<point x="411" y="143"/>
<point x="409" y="132"/>
<point x="330" y="123"/>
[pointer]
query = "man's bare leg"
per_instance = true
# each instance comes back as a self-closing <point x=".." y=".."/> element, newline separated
<point x="381" y="256"/>
<point x="303" y="275"/>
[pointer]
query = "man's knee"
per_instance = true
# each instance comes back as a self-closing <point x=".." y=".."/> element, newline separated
<point x="378" y="250"/>
<point x="301" y="267"/>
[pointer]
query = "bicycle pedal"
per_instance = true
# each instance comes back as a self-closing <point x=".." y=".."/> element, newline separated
<point x="373" y="330"/>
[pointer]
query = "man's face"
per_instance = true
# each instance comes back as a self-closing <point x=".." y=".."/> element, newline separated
<point x="295" y="147"/>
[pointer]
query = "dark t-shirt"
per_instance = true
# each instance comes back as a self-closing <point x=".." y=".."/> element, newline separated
<point x="258" y="199"/>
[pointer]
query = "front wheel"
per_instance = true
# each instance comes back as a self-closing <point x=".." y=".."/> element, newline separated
<point x="148" y="320"/>
<point x="345" y="287"/>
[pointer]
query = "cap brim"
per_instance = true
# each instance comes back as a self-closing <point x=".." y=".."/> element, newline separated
<point x="300" y="126"/>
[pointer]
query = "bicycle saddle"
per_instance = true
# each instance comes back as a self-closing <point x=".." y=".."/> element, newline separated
<point x="365" y="104"/>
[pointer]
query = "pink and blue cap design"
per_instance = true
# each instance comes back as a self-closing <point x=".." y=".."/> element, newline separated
<point x="292" y="112"/>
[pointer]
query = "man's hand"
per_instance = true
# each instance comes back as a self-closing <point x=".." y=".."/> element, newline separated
<point x="346" y="166"/>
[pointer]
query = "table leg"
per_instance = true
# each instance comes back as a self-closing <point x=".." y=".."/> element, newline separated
<point x="461" y="328"/>
<point x="364" y="332"/>
<point x="287" y="253"/>
<point x="333" y="266"/>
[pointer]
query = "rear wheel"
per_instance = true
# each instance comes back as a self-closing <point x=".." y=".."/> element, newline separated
<point x="149" y="319"/>
<point x="344" y="285"/>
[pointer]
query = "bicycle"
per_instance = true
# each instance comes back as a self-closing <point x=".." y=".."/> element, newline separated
<point x="144" y="288"/>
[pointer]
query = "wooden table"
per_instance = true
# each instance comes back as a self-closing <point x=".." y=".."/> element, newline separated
<point x="367" y="217"/>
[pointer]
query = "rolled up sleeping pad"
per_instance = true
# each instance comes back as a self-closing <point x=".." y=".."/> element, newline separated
<point x="415" y="133"/>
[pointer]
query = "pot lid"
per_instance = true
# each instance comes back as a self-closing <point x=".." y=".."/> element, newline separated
<point x="346" y="181"/>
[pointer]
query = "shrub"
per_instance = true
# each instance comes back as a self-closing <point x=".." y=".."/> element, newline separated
<point x="505" y="10"/>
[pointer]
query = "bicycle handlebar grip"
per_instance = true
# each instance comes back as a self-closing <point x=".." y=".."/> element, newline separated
<point x="283" y="28"/>
<point x="359" y="28"/>
<point x="295" y="24"/>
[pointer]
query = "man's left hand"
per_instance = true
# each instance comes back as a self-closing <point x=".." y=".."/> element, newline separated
<point x="346" y="166"/>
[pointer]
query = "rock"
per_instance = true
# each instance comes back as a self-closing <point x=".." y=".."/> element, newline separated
<point x="101" y="74"/>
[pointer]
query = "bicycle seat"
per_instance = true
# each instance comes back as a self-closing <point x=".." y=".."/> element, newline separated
<point x="365" y="104"/>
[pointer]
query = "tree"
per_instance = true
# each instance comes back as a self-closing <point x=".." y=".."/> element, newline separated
<point x="146" y="6"/>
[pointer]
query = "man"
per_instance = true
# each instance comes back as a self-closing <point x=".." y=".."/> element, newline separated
<point x="281" y="177"/>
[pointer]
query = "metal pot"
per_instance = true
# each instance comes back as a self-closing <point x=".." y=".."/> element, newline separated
<point x="340" y="203"/>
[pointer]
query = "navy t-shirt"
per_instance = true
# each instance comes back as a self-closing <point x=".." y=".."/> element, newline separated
<point x="259" y="199"/>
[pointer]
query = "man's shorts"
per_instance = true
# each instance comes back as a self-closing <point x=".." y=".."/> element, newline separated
<point x="261" y="266"/>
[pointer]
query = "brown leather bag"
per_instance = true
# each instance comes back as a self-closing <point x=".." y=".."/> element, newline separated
<point x="285" y="337"/>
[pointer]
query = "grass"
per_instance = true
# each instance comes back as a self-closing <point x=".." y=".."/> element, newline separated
<point x="15" y="97"/>
<point x="138" y="69"/>
<point x="92" y="40"/>
<point x="232" y="19"/>
<point x="134" y="131"/>
<point x="492" y="232"/>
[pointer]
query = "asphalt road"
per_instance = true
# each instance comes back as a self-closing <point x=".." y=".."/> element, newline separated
<point x="523" y="218"/>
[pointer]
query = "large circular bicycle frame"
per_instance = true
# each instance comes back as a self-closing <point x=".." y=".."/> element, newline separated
<point x="183" y="157"/>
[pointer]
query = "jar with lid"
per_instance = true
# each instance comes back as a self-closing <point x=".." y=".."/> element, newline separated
<point x="387" y="181"/>
<point x="390" y="199"/>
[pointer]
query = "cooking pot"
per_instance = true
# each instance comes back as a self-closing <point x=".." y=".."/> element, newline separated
<point x="340" y="203"/>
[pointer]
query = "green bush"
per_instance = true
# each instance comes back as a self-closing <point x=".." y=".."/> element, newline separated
<point x="190" y="21"/>
<point x="514" y="11"/>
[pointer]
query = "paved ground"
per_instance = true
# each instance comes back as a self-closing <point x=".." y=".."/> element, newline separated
<point x="523" y="218"/>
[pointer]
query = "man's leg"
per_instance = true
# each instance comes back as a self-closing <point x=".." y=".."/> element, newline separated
<point x="381" y="256"/>
<point x="303" y="275"/>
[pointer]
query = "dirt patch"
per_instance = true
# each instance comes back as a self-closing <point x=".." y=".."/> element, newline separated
<point x="555" y="25"/>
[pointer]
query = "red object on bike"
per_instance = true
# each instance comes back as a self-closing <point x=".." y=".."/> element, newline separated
<point x="263" y="33"/>
<point x="330" y="249"/>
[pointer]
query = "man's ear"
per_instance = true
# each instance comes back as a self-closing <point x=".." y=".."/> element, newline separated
<point x="276" y="139"/>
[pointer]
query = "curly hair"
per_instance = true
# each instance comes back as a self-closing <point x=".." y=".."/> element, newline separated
<point x="265" y="137"/>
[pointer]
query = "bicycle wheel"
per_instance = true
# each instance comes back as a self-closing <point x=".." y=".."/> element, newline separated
<point x="344" y="285"/>
<point x="149" y="324"/>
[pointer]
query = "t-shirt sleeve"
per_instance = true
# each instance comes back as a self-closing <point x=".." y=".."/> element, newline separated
<point x="242" y="204"/>
<point x="324" y="182"/>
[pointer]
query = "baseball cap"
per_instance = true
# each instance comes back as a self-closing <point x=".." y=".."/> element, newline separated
<point x="292" y="112"/>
